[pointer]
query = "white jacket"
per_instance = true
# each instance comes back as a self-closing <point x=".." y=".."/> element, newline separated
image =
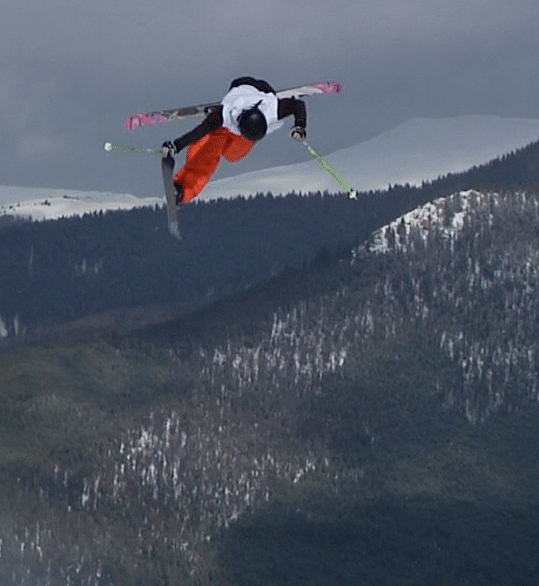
<point x="244" y="97"/>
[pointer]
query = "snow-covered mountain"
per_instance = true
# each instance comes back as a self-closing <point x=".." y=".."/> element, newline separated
<point x="420" y="149"/>
<point x="422" y="220"/>
<point x="50" y="204"/>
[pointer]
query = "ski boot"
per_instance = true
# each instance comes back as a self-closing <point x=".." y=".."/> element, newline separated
<point x="179" y="193"/>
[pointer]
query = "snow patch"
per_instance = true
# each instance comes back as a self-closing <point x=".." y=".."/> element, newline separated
<point x="52" y="204"/>
<point x="447" y="214"/>
<point x="3" y="329"/>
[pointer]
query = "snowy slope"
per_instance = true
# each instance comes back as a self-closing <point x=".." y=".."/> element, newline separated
<point x="425" y="218"/>
<point x="50" y="204"/>
<point x="420" y="149"/>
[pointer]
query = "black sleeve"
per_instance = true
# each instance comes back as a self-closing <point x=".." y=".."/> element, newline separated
<point x="212" y="122"/>
<point x="293" y="107"/>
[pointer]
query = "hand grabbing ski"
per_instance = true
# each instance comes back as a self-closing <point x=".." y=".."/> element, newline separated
<point x="168" y="149"/>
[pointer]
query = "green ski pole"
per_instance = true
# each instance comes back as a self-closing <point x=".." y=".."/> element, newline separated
<point x="352" y="193"/>
<point x="130" y="149"/>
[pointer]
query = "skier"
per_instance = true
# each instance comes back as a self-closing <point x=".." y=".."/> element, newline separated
<point x="248" y="112"/>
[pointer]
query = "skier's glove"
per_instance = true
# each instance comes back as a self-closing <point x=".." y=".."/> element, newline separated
<point x="168" y="149"/>
<point x="298" y="133"/>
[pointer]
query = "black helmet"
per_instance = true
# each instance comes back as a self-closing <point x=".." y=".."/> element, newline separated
<point x="252" y="123"/>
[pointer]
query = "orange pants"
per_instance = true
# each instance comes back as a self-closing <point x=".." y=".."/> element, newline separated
<point x="203" y="158"/>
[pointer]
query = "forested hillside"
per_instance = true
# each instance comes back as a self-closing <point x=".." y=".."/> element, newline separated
<point x="109" y="265"/>
<point x="368" y="415"/>
<point x="369" y="419"/>
<point x="53" y="272"/>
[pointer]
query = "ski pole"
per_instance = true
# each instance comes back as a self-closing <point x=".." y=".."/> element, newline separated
<point x="352" y="193"/>
<point x="130" y="149"/>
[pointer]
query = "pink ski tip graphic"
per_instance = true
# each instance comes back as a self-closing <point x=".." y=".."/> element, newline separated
<point x="329" y="87"/>
<point x="144" y="120"/>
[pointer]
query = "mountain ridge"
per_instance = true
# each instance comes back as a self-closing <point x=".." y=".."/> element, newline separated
<point x="419" y="150"/>
<point x="130" y="259"/>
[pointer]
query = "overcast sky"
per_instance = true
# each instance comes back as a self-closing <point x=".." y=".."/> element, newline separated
<point x="72" y="71"/>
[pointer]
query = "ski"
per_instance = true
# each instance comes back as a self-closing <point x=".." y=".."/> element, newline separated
<point x="167" y="171"/>
<point x="150" y="118"/>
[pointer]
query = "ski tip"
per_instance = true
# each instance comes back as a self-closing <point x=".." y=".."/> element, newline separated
<point x="174" y="229"/>
<point x="133" y="122"/>
<point x="336" y="87"/>
<point x="329" y="87"/>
